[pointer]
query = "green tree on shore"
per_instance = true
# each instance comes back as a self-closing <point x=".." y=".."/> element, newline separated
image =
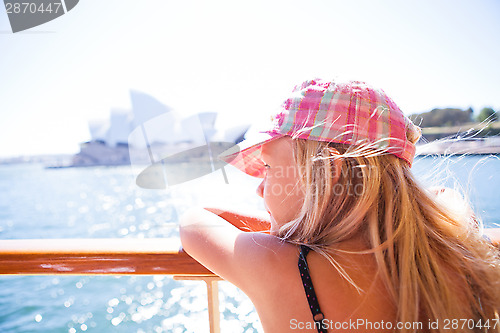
<point x="487" y="114"/>
<point x="443" y="117"/>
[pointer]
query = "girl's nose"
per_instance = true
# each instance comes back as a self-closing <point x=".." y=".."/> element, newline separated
<point x="260" y="189"/>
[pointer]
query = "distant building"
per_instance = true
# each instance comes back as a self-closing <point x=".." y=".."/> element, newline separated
<point x="148" y="133"/>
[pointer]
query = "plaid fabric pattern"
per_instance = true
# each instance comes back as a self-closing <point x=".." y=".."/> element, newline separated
<point x="344" y="112"/>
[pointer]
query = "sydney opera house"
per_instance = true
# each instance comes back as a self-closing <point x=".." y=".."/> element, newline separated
<point x="149" y="132"/>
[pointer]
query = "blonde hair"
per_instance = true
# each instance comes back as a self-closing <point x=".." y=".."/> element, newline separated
<point x="433" y="261"/>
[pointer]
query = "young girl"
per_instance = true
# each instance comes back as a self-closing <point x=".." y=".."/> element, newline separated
<point x="352" y="242"/>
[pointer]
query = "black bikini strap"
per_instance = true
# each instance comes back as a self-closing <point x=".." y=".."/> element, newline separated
<point x="309" y="289"/>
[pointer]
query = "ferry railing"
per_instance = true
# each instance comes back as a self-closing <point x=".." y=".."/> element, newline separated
<point x="124" y="256"/>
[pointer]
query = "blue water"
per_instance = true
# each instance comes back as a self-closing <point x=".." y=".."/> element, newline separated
<point x="105" y="202"/>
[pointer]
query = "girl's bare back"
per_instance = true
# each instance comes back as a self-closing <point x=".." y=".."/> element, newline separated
<point x="281" y="301"/>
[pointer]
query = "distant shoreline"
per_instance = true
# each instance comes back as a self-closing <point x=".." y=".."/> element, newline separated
<point x="471" y="146"/>
<point x="479" y="146"/>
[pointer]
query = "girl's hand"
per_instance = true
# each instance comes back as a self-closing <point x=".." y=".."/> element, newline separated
<point x="255" y="221"/>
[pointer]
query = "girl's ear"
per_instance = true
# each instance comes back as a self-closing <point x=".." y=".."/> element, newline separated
<point x="336" y="160"/>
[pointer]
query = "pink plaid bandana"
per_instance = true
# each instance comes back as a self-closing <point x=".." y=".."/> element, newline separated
<point x="343" y="112"/>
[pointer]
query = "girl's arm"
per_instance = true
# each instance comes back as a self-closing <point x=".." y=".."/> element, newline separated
<point x="455" y="199"/>
<point x="242" y="258"/>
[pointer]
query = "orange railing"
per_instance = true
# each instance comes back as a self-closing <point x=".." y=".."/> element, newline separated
<point x="97" y="256"/>
<point x="108" y="257"/>
<point x="117" y="257"/>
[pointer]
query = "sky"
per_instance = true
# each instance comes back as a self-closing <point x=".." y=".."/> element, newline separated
<point x="238" y="58"/>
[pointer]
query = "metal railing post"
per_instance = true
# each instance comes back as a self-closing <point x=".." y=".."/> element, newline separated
<point x="212" y="297"/>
